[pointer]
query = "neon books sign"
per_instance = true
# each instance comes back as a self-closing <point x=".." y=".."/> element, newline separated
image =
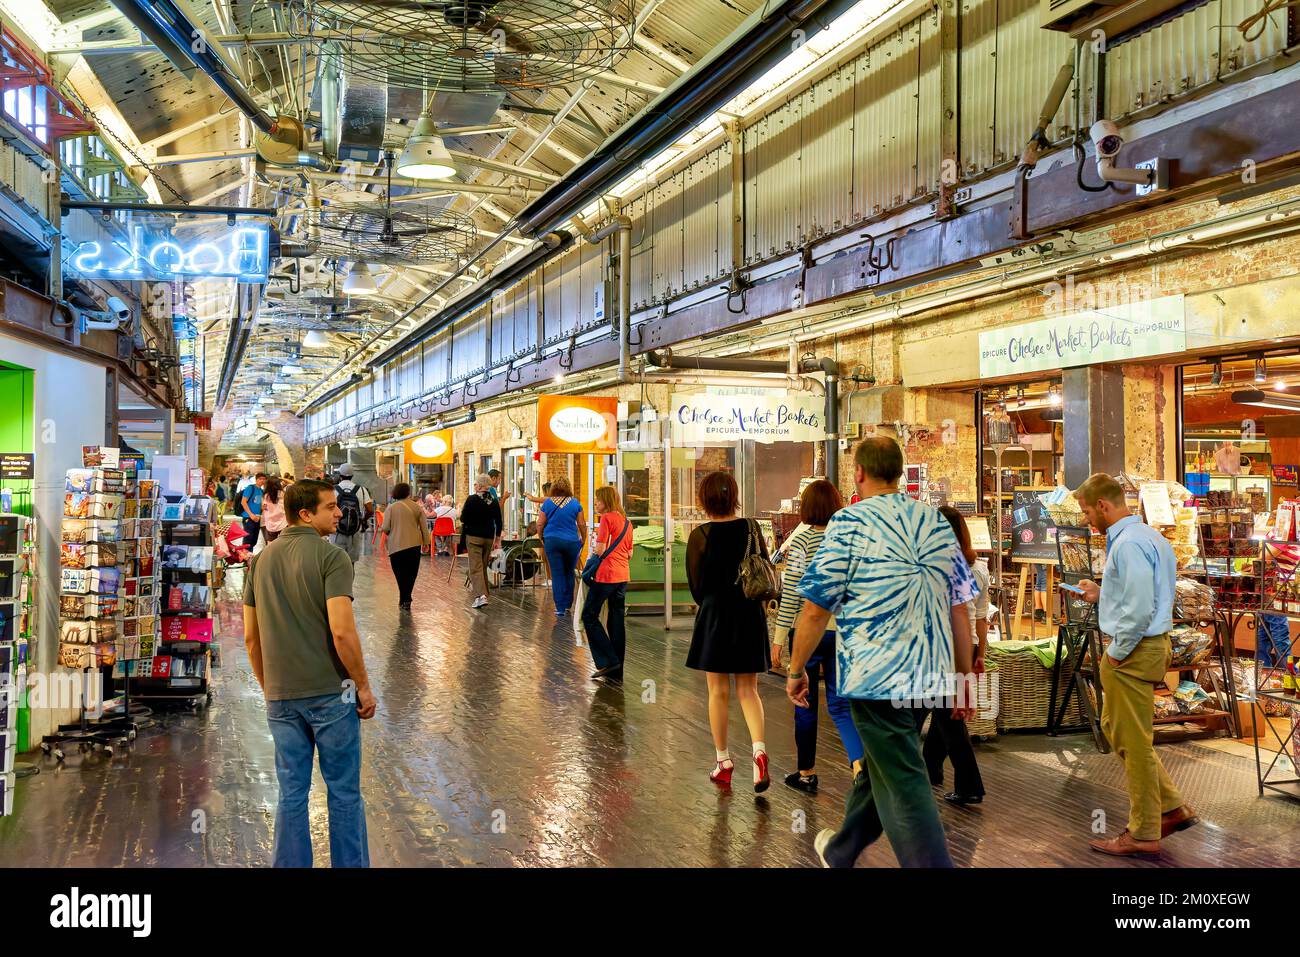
<point x="242" y="254"/>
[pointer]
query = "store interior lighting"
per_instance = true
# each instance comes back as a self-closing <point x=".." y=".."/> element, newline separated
<point x="1266" y="400"/>
<point x="425" y="155"/>
<point x="292" y="370"/>
<point x="1216" y="377"/>
<point x="360" y="281"/>
<point x="315" y="339"/>
<point x="1261" y="370"/>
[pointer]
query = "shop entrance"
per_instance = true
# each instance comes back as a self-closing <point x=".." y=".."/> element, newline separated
<point x="518" y="481"/>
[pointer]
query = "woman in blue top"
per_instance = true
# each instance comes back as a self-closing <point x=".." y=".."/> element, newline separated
<point x="563" y="531"/>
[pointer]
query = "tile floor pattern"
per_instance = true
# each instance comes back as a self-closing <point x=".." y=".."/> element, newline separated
<point x="492" y="747"/>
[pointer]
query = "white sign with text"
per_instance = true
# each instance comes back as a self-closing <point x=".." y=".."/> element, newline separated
<point x="706" y="417"/>
<point x="1118" y="333"/>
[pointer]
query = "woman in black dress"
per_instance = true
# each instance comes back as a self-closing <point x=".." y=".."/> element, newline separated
<point x="730" y="635"/>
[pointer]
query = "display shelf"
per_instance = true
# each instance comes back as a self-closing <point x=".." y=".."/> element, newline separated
<point x="1282" y="696"/>
<point x="1199" y="716"/>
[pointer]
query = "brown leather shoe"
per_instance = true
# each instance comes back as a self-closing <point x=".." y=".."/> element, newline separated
<point x="1179" y="819"/>
<point x="1126" y="845"/>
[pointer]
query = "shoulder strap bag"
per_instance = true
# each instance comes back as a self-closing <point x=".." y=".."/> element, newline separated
<point x="594" y="561"/>
<point x="757" y="576"/>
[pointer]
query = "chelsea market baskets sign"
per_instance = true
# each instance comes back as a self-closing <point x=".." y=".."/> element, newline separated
<point x="708" y="417"/>
<point x="1118" y="333"/>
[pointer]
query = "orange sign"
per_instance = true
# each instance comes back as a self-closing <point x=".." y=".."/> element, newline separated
<point x="432" y="448"/>
<point x="577" y="423"/>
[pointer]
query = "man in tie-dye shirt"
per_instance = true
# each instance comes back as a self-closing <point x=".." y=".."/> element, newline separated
<point x="891" y="573"/>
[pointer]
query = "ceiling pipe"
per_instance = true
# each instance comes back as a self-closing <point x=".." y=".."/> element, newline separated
<point x="153" y="16"/>
<point x="622" y="225"/>
<point x="761" y="42"/>
<point x="794" y="383"/>
<point x="333" y="176"/>
<point x="664" y="359"/>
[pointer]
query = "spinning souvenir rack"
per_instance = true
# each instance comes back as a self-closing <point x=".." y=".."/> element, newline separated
<point x="96" y="540"/>
<point x="17" y="623"/>
<point x="1278" y="753"/>
<point x="180" y="667"/>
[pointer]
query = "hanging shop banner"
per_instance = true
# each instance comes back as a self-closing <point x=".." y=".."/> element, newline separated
<point x="1118" y="333"/>
<point x="707" y="417"/>
<point x="433" y="448"/>
<point x="577" y="423"/>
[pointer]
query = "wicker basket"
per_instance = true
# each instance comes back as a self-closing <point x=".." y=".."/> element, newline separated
<point x="984" y="725"/>
<point x="1025" y="692"/>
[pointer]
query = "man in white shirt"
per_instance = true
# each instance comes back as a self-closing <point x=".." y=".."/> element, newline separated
<point x="356" y="508"/>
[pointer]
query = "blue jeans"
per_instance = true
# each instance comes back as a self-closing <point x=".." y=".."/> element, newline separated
<point x="562" y="556"/>
<point x="822" y="663"/>
<point x="331" y="726"/>
<point x="1272" y="639"/>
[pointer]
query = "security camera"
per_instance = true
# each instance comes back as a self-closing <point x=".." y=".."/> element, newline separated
<point x="1107" y="138"/>
<point x="1108" y="141"/>
<point x="118" y="308"/>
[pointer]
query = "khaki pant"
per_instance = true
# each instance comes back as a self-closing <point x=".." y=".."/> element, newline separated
<point x="480" y="554"/>
<point x="1126" y="720"/>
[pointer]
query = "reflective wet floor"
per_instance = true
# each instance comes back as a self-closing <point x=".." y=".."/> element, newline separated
<point x="491" y="746"/>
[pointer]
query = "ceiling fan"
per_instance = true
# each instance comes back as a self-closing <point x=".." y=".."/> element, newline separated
<point x="463" y="15"/>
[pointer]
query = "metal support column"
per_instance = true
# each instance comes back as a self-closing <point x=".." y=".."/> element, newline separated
<point x="1094" y="422"/>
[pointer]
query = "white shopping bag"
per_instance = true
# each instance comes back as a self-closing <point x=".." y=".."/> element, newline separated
<point x="579" y="596"/>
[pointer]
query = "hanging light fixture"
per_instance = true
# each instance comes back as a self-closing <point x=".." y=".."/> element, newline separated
<point x="1216" y="376"/>
<point x="1261" y="369"/>
<point x="425" y="155"/>
<point x="360" y="281"/>
<point x="315" y="339"/>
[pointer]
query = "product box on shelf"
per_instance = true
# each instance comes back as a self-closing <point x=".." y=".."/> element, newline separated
<point x="8" y="708"/>
<point x="9" y="656"/>
<point x="7" y="794"/>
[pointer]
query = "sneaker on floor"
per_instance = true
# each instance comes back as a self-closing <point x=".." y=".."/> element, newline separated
<point x="480" y="601"/>
<point x="820" y="842"/>
<point x="800" y="782"/>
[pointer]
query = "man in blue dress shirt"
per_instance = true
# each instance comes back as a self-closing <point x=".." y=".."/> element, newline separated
<point x="1135" y="605"/>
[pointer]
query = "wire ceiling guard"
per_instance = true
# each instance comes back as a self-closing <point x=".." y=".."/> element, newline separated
<point x="324" y="314"/>
<point x="473" y="46"/>
<point x="410" y="234"/>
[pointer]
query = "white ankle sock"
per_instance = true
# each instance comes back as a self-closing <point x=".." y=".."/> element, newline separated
<point x="759" y="748"/>
<point x="723" y="756"/>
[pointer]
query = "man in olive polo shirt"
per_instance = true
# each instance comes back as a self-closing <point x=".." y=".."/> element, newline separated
<point x="303" y="644"/>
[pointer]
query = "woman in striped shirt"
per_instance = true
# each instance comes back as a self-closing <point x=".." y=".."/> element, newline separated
<point x="820" y="500"/>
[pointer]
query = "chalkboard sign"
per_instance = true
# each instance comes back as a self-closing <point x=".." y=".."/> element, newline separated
<point x="1074" y="544"/>
<point x="1033" y="533"/>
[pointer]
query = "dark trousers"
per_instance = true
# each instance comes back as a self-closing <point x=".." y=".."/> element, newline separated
<point x="607" y="648"/>
<point x="252" y="529"/>
<point x="822" y="664"/>
<point x="406" y="566"/>
<point x="948" y="738"/>
<point x="892" y="794"/>
<point x="563" y="559"/>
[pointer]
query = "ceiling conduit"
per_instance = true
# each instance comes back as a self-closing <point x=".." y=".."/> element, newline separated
<point x="151" y="16"/>
<point x="754" y="48"/>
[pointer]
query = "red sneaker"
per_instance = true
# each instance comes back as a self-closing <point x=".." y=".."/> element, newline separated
<point x="722" y="776"/>
<point x="761" y="780"/>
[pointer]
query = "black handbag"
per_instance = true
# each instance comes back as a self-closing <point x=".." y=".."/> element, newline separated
<point x="757" y="576"/>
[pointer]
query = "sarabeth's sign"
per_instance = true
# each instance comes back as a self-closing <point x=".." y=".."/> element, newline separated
<point x="577" y="423"/>
<point x="707" y="417"/>
<point x="1118" y="333"/>
<point x="432" y="448"/>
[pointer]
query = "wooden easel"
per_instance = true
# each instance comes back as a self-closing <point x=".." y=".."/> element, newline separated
<point x="1025" y="594"/>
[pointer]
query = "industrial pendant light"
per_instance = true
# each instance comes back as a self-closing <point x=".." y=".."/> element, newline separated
<point x="425" y="155"/>
<point x="315" y="339"/>
<point x="360" y="281"/>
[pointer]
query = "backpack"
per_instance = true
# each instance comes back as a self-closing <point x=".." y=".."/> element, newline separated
<point x="350" y="505"/>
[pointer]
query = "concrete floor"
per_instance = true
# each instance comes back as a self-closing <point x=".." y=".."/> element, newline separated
<point x="492" y="747"/>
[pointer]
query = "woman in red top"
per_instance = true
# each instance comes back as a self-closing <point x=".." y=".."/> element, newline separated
<point x="610" y="586"/>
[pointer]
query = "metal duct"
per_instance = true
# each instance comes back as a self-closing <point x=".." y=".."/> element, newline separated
<point x="552" y="245"/>
<point x="330" y="80"/>
<point x="664" y="359"/>
<point x="165" y="17"/>
<point x="364" y="119"/>
<point x="753" y="48"/>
